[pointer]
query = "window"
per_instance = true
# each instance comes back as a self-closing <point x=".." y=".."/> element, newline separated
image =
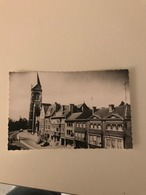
<point x="95" y="126"/>
<point x="69" y="132"/>
<point x="99" y="127"/>
<point x="114" y="127"/>
<point x="113" y="143"/>
<point x="91" y="126"/>
<point x="80" y="124"/>
<point x="83" y="135"/>
<point x="120" y="127"/>
<point x="84" y="125"/>
<point x="90" y="139"/>
<point x="94" y="139"/>
<point x="62" y="121"/>
<point x="108" y="127"/>
<point x="98" y="140"/>
<point x="119" y="144"/>
<point x="69" y="124"/>
<point x="77" y="125"/>
<point x="108" y="143"/>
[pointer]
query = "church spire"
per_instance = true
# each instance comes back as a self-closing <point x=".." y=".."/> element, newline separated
<point x="38" y="80"/>
<point x="38" y="86"/>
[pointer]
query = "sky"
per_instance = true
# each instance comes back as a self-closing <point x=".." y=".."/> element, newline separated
<point x="95" y="88"/>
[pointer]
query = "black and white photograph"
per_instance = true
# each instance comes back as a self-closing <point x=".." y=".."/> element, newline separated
<point x="69" y="110"/>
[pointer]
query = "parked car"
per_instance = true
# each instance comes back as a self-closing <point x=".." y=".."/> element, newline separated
<point x="43" y="144"/>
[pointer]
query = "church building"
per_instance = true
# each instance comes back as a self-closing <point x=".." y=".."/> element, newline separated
<point x="35" y="106"/>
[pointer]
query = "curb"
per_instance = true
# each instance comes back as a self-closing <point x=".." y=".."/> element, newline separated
<point x="25" y="143"/>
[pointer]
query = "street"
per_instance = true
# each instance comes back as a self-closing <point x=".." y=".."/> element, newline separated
<point x="25" y="140"/>
<point x="14" y="143"/>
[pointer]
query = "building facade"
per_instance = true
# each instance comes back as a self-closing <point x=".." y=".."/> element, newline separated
<point x="78" y="126"/>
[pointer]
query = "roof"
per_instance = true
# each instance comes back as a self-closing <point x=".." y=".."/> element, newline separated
<point x="51" y="110"/>
<point x="121" y="110"/>
<point x="38" y="80"/>
<point x="74" y="116"/>
<point x="85" y="115"/>
<point x="124" y="111"/>
<point x="79" y="116"/>
<point x="62" y="112"/>
<point x="45" y="106"/>
<point x="38" y="86"/>
<point x="102" y="112"/>
<point x="79" y="105"/>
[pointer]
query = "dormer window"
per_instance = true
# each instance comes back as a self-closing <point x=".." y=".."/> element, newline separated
<point x="95" y="126"/>
<point x="91" y="126"/>
<point x="120" y="127"/>
<point x="108" y="127"/>
<point x="114" y="127"/>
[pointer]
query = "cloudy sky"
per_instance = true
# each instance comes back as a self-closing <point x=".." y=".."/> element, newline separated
<point x="95" y="88"/>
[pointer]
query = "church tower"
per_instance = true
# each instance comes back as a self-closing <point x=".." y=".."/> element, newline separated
<point x="35" y="106"/>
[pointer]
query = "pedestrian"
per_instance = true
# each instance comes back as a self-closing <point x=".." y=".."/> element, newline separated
<point x="18" y="137"/>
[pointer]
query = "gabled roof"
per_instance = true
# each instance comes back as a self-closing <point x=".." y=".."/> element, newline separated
<point x="85" y="115"/>
<point x="62" y="112"/>
<point x="80" y="105"/>
<point x="102" y="112"/>
<point x="79" y="116"/>
<point x="114" y="116"/>
<point x="95" y="117"/>
<point x="45" y="106"/>
<point x="123" y="111"/>
<point x="73" y="116"/>
<point x="51" y="110"/>
<point x="83" y="105"/>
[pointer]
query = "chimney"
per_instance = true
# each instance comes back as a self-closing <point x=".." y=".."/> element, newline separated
<point x="57" y="106"/>
<point x="71" y="108"/>
<point x="63" y="108"/>
<point x="93" y="109"/>
<point x="111" y="107"/>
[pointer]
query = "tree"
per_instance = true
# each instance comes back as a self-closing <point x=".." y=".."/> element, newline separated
<point x="13" y="125"/>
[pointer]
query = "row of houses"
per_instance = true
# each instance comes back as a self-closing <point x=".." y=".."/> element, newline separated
<point x="79" y="126"/>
